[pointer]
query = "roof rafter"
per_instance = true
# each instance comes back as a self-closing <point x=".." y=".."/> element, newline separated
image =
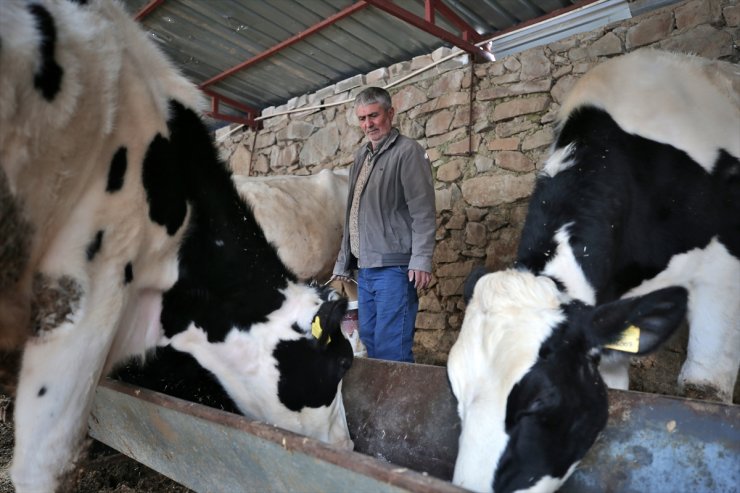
<point x="333" y="19"/>
<point x="431" y="7"/>
<point x="428" y="25"/>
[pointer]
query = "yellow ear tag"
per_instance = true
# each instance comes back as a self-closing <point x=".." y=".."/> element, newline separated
<point x="316" y="329"/>
<point x="629" y="342"/>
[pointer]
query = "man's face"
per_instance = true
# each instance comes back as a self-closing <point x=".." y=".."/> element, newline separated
<point x="375" y="121"/>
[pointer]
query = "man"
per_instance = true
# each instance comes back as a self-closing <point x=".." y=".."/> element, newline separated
<point x="389" y="229"/>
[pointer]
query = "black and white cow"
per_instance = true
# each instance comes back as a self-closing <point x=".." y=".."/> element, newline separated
<point x="120" y="230"/>
<point x="634" y="222"/>
<point x="303" y="217"/>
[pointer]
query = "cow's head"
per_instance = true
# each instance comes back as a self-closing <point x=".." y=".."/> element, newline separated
<point x="286" y="370"/>
<point x="525" y="373"/>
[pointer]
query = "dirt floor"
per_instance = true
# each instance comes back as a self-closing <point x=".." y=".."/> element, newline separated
<point x="103" y="470"/>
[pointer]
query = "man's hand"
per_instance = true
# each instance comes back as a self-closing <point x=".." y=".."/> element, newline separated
<point x="420" y="278"/>
<point x="336" y="277"/>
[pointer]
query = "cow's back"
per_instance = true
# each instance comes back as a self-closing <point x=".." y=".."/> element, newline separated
<point x="688" y="102"/>
<point x="302" y="216"/>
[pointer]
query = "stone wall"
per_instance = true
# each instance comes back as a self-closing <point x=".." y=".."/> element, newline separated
<point x="487" y="128"/>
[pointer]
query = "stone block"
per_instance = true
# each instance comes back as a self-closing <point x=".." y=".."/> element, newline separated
<point x="462" y="146"/>
<point x="456" y="221"/>
<point x="447" y="250"/>
<point x="377" y="77"/>
<point x="456" y="269"/>
<point x="649" y="30"/>
<point x="430" y="321"/>
<point x="439" y="140"/>
<point x="535" y="65"/>
<point x="261" y="165"/>
<point x="514" y="161"/>
<point x="731" y="14"/>
<point x="264" y="139"/>
<point x="240" y="161"/>
<point x="428" y="302"/>
<point x="506" y="144"/>
<point x="475" y="234"/>
<point x="451" y="286"/>
<point x="449" y="172"/>
<point x="296" y="130"/>
<point x="693" y="13"/>
<point x="408" y="97"/>
<point x="509" y="128"/>
<point x="449" y="82"/>
<point x="284" y="156"/>
<point x="703" y="40"/>
<point x="452" y="99"/>
<point x="483" y="163"/>
<point x="351" y="83"/>
<point x="517" y="89"/>
<point x="609" y="44"/>
<point x="540" y="138"/>
<point x="489" y="191"/>
<point x="321" y="146"/>
<point x="421" y="61"/>
<point x="562" y="87"/>
<point x="443" y="199"/>
<point x="516" y="107"/>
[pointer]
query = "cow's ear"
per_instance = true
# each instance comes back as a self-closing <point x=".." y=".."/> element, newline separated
<point x="327" y="321"/>
<point x="470" y="282"/>
<point x="638" y="325"/>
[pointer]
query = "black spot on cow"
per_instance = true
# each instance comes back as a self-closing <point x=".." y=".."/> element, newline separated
<point x="79" y="2"/>
<point x="94" y="246"/>
<point x="244" y="273"/>
<point x="310" y="369"/>
<point x="48" y="79"/>
<point x="726" y="180"/>
<point x="177" y="374"/>
<point x="42" y="391"/>
<point x="117" y="171"/>
<point x="164" y="185"/>
<point x="128" y="273"/>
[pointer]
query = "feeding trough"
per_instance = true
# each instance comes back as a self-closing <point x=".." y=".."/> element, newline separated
<point x="403" y="421"/>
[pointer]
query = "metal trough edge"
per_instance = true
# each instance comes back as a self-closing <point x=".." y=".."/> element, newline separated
<point x="403" y="419"/>
<point x="209" y="450"/>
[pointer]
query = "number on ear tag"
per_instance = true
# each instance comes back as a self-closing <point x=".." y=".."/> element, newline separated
<point x="629" y="342"/>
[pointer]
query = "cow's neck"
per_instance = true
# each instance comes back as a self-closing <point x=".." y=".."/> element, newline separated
<point x="219" y="287"/>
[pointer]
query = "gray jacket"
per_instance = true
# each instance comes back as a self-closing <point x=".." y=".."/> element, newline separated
<point x="397" y="209"/>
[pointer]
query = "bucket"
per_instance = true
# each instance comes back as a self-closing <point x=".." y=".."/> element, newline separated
<point x="351" y="329"/>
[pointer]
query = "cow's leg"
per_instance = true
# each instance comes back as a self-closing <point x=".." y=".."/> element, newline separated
<point x="713" y="353"/>
<point x="60" y="370"/>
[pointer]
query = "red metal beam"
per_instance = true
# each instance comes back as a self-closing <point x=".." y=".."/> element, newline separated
<point x="422" y="24"/>
<point x="293" y="39"/>
<point x="148" y="9"/>
<point x="216" y="99"/>
<point x="468" y="32"/>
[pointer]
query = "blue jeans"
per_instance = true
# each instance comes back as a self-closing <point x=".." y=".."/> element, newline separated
<point x="387" y="306"/>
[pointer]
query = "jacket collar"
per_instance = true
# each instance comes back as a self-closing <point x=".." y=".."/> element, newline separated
<point x="385" y="143"/>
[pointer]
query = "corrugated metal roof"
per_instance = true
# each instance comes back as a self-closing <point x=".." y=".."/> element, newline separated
<point x="207" y="37"/>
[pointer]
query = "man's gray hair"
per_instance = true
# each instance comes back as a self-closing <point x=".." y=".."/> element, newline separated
<point x="373" y="95"/>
